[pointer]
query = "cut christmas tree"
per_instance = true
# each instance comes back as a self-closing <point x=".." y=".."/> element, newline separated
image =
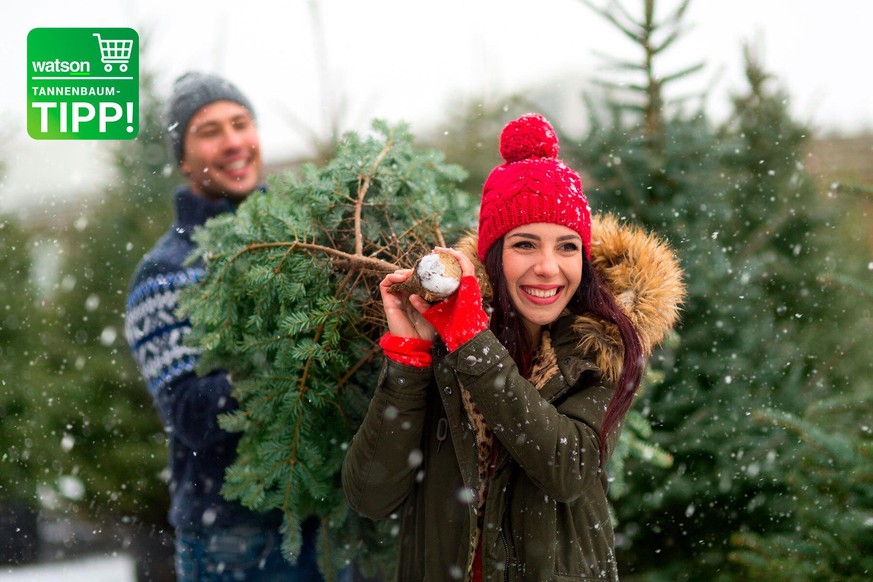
<point x="289" y="306"/>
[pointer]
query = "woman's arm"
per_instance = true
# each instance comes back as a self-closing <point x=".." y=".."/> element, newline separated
<point x="380" y="466"/>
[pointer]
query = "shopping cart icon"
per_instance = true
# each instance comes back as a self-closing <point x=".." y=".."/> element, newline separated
<point x="114" y="52"/>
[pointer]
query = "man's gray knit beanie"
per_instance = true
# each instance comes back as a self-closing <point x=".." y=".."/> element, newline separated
<point x="192" y="91"/>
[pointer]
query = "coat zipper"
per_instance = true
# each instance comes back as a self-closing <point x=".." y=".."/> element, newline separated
<point x="442" y="432"/>
<point x="506" y="561"/>
<point x="504" y="530"/>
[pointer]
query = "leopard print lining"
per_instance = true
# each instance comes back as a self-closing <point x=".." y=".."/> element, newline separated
<point x="545" y="366"/>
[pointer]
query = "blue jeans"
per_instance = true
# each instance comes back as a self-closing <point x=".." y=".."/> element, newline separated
<point x="241" y="554"/>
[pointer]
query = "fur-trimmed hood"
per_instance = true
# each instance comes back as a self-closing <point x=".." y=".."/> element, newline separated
<point x="643" y="274"/>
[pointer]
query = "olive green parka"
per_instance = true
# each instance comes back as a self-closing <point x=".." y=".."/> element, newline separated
<point x="544" y="515"/>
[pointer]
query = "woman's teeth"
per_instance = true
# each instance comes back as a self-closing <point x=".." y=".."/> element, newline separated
<point x="541" y="293"/>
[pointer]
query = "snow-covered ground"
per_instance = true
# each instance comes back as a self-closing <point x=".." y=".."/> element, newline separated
<point x="118" y="568"/>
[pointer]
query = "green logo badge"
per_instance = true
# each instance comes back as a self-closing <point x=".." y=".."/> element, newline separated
<point x="83" y="83"/>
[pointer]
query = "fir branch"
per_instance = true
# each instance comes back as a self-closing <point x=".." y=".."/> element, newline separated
<point x="357" y="261"/>
<point x="764" y="234"/>
<point x="291" y="460"/>
<point x="304" y="375"/>
<point x="326" y="545"/>
<point x="368" y="357"/>
<point x="362" y="192"/>
<point x="268" y="397"/>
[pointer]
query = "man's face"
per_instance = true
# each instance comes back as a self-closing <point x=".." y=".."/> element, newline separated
<point x="222" y="153"/>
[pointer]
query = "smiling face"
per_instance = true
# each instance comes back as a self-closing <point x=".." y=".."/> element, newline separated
<point x="542" y="265"/>
<point x="222" y="154"/>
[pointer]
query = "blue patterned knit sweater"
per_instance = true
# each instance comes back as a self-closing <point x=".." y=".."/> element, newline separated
<point x="200" y="451"/>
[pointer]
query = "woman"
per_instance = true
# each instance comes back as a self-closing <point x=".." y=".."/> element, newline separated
<point x="487" y="436"/>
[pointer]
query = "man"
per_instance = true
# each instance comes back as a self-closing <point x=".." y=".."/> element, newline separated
<point x="214" y="140"/>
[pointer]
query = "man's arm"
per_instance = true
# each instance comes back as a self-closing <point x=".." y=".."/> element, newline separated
<point x="188" y="404"/>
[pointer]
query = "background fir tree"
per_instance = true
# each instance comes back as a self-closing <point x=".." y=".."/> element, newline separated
<point x="26" y="448"/>
<point x="830" y="480"/>
<point x="107" y="434"/>
<point x="653" y="162"/>
<point x="290" y="307"/>
<point x="826" y="530"/>
<point x="758" y="331"/>
<point x="105" y="410"/>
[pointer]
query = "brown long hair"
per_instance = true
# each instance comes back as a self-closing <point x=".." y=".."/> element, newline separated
<point x="592" y="297"/>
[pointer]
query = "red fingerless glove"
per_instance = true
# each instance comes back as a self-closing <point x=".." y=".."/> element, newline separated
<point x="460" y="317"/>
<point x="410" y="351"/>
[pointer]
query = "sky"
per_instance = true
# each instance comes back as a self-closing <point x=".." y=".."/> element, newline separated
<point x="406" y="60"/>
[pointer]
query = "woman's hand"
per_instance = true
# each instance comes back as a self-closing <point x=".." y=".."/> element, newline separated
<point x="403" y="311"/>
<point x="460" y="317"/>
<point x="467" y="268"/>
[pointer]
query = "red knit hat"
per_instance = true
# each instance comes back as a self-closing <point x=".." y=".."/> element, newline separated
<point x="532" y="186"/>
